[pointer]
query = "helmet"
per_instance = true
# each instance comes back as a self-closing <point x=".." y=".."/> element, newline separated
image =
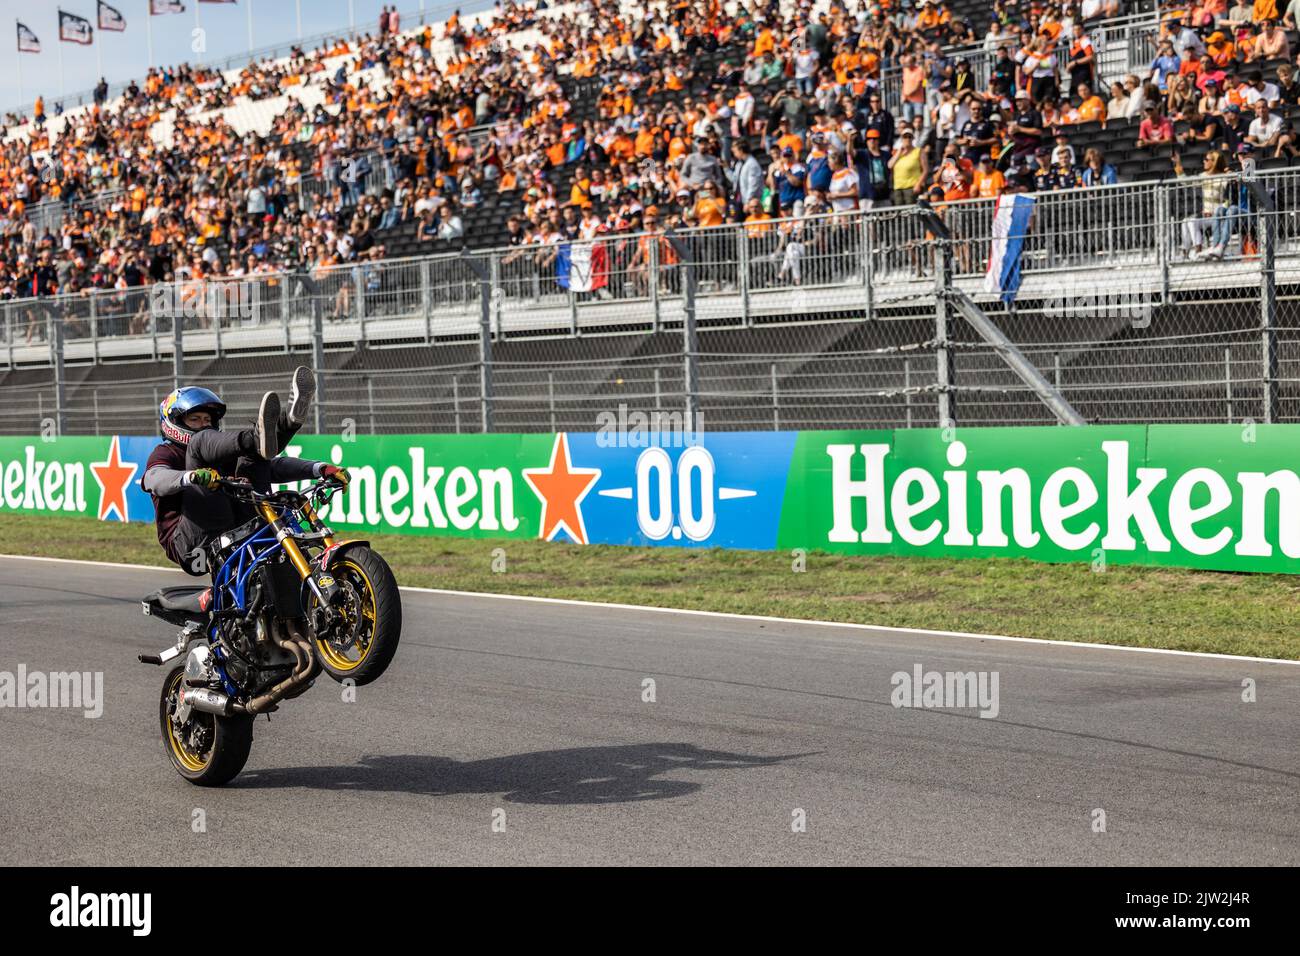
<point x="180" y="403"/>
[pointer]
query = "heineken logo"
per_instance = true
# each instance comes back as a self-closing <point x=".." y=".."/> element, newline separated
<point x="1125" y="507"/>
<point x="30" y="481"/>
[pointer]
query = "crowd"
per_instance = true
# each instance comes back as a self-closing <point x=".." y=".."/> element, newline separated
<point x="599" y="121"/>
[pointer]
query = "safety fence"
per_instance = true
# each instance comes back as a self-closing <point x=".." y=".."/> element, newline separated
<point x="826" y="321"/>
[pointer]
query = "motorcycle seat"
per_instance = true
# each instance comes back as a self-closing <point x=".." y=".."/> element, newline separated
<point x="187" y="599"/>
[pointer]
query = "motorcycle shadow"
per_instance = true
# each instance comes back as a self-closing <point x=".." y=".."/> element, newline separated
<point x="581" y="775"/>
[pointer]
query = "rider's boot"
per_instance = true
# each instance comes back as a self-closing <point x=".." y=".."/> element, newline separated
<point x="262" y="440"/>
<point x="301" y="394"/>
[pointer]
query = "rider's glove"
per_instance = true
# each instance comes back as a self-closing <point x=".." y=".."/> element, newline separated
<point x="338" y="474"/>
<point x="204" y="478"/>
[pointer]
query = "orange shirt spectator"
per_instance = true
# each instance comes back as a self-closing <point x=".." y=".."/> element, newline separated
<point x="985" y="185"/>
<point x="1092" y="109"/>
<point x="710" y="210"/>
<point x="792" y="141"/>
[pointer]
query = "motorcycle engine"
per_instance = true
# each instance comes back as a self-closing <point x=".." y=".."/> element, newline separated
<point x="258" y="662"/>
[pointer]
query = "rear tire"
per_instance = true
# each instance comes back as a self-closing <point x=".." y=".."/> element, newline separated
<point x="223" y="743"/>
<point x="373" y="618"/>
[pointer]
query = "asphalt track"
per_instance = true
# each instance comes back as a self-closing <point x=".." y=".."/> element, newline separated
<point x="535" y="710"/>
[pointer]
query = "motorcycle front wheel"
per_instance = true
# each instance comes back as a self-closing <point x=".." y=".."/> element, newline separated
<point x="362" y="643"/>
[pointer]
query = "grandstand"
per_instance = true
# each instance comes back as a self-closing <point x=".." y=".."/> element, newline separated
<point x="366" y="190"/>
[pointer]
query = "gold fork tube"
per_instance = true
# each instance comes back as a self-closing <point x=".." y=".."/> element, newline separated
<point x="282" y="534"/>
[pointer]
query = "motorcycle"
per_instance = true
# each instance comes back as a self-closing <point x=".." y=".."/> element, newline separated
<point x="286" y="602"/>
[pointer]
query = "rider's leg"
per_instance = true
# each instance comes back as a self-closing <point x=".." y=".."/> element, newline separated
<point x="294" y="414"/>
<point x="211" y="448"/>
<point x="204" y="514"/>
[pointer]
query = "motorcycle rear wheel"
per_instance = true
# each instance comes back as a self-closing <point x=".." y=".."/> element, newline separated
<point x="209" y="751"/>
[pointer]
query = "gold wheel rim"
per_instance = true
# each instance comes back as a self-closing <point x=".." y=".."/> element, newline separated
<point x="187" y="758"/>
<point x="336" y="659"/>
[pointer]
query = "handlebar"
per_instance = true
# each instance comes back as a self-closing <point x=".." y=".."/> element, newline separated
<point x="321" y="490"/>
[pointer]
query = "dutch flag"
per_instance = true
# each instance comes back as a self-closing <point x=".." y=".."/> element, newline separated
<point x="1011" y="218"/>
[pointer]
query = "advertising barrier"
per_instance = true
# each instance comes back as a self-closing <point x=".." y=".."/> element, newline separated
<point x="1223" y="497"/>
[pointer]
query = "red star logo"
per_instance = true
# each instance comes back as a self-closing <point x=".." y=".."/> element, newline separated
<point x="113" y="476"/>
<point x="561" y="488"/>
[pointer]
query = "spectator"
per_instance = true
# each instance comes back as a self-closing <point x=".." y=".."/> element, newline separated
<point x="1096" y="171"/>
<point x="1272" y="44"/>
<point x="1267" y="131"/>
<point x="872" y="167"/>
<point x="1117" y="108"/>
<point x="987" y="182"/>
<point x="910" y="166"/>
<point x="844" y="190"/>
<point x="1156" y="129"/>
<point x="1214" y="205"/>
<point x="1026" y="126"/>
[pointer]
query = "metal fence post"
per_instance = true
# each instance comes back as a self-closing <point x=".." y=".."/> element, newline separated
<point x="943" y="355"/>
<point x="1227" y="380"/>
<point x="284" y="311"/>
<point x="690" y="343"/>
<point x="1162" y="240"/>
<point x="94" y="332"/>
<point x="178" y="351"/>
<point x="498" y="295"/>
<point x="550" y="395"/>
<point x="907" y="390"/>
<point x="216" y="323"/>
<point x="426" y="300"/>
<point x="153" y="320"/>
<point x="776" y="403"/>
<point x="484" y="337"/>
<point x="60" y="384"/>
<point x="455" y="400"/>
<point x="867" y="265"/>
<point x="318" y="362"/>
<point x="370" y="401"/>
<point x="742" y="264"/>
<point x="1267" y="299"/>
<point x="652" y="279"/>
<point x="359" y="290"/>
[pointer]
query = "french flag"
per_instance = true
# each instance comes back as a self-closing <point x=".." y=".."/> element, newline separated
<point x="1011" y="218"/>
<point x="582" y="267"/>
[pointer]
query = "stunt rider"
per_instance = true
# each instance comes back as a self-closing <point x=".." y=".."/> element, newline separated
<point x="182" y="472"/>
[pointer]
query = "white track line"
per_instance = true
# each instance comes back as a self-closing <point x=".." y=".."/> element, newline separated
<point x="728" y="615"/>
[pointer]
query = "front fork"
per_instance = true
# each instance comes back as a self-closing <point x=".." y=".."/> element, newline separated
<point x="321" y="583"/>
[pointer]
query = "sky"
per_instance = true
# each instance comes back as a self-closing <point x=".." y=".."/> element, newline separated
<point x="125" y="55"/>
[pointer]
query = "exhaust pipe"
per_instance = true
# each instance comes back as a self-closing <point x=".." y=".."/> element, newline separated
<point x="208" y="701"/>
<point x="305" y="671"/>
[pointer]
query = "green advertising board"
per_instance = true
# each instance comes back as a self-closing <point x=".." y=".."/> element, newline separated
<point x="1222" y="497"/>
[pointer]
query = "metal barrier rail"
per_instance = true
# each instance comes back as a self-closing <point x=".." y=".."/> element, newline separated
<point x="750" y="273"/>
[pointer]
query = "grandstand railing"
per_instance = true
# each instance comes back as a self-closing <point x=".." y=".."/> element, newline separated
<point x="854" y="261"/>
<point x="824" y="321"/>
